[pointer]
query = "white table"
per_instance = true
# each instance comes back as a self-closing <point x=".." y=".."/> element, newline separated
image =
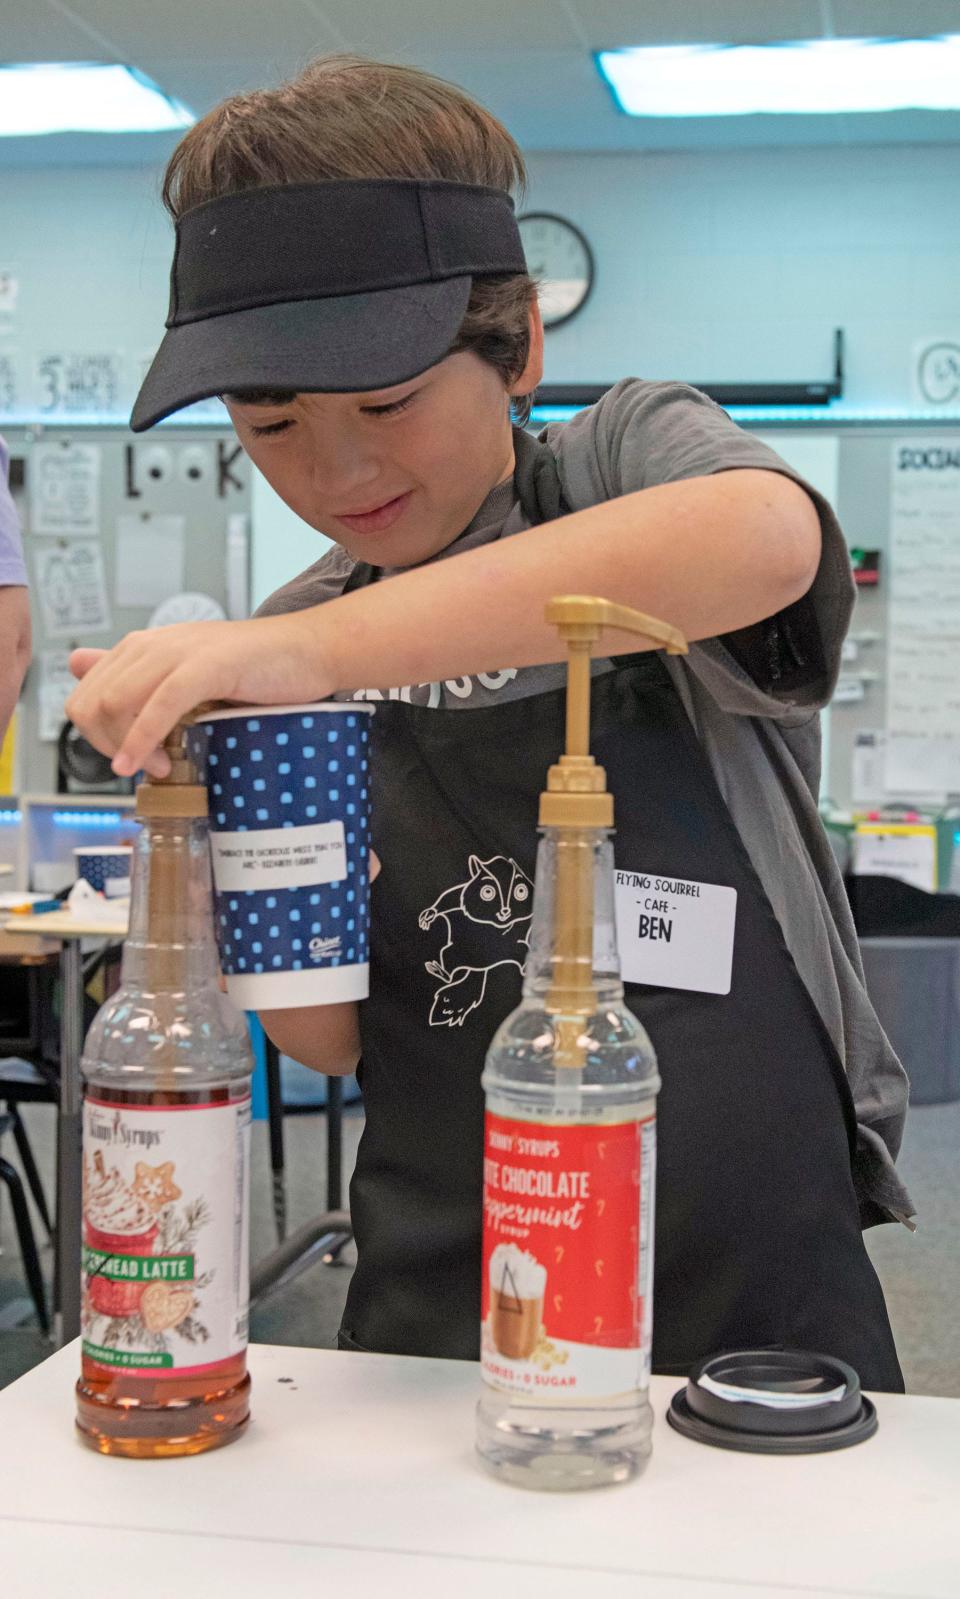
<point x="358" y="1478"/>
<point x="67" y="932"/>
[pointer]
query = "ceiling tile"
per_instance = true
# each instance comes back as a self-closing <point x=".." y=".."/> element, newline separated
<point x="38" y="33"/>
<point x="607" y="24"/>
<point x="899" y="19"/>
<point x="210" y="30"/>
<point x="408" y="27"/>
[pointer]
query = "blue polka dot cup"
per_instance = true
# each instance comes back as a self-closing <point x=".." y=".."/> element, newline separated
<point x="106" y="867"/>
<point x="290" y="844"/>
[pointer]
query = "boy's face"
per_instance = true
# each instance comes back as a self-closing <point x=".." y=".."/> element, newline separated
<point x="393" y="475"/>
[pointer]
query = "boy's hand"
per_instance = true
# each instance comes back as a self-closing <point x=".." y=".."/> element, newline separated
<point x="130" y="697"/>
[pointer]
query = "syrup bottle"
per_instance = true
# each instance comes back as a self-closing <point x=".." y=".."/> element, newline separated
<point x="166" y="1135"/>
<point x="570" y="1145"/>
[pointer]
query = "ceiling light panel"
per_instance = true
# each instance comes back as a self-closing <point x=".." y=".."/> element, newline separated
<point x="83" y="97"/>
<point x="814" y="77"/>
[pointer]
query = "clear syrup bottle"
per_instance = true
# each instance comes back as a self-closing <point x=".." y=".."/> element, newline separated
<point x="166" y="1133"/>
<point x="570" y="1146"/>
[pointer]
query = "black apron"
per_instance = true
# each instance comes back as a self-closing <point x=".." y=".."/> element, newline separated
<point x="758" y="1238"/>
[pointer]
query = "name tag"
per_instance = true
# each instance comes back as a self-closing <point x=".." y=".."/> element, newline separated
<point x="673" y="933"/>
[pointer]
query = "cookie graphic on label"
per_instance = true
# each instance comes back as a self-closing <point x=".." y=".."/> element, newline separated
<point x="162" y="1307"/>
<point x="155" y="1185"/>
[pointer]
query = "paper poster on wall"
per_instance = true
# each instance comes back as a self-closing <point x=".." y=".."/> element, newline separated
<point x="8" y="382"/>
<point x="9" y="292"/>
<point x="79" y="382"/>
<point x="64" y="484"/>
<point x="907" y="850"/>
<point x="55" y="685"/>
<point x="150" y="557"/>
<point x="923" y="623"/>
<point x="849" y="690"/>
<point x="71" y="588"/>
<point x="869" y="758"/>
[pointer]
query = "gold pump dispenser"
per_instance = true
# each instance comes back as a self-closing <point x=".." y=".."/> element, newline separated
<point x="179" y="796"/>
<point x="576" y="802"/>
<point x="570" y="1083"/>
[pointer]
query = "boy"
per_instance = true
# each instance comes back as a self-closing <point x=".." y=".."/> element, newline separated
<point x="349" y="276"/>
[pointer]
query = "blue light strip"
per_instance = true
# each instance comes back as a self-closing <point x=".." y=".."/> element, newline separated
<point x="833" y="415"/>
<point x="10" y="818"/>
<point x="89" y="818"/>
<point x="823" y="415"/>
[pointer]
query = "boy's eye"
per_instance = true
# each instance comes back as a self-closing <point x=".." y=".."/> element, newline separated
<point x="392" y="408"/>
<point x="270" y="427"/>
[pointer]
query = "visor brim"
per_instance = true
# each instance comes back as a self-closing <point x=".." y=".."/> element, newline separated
<point x="343" y="344"/>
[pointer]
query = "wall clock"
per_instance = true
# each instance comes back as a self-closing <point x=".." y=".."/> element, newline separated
<point x="561" y="260"/>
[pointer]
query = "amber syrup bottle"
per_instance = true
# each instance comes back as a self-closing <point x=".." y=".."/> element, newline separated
<point x="166" y="1134"/>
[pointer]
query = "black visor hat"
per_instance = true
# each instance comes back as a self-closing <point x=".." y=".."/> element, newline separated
<point x="336" y="287"/>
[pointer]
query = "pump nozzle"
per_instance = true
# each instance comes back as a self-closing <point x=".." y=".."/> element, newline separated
<point x="576" y="803"/>
<point x="576" y="788"/>
<point x="180" y="793"/>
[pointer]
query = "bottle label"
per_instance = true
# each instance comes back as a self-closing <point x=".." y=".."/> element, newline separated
<point x="165" y="1235"/>
<point x="567" y="1257"/>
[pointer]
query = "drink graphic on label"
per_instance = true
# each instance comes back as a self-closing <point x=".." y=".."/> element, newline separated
<point x="117" y="1222"/>
<point x="517" y="1286"/>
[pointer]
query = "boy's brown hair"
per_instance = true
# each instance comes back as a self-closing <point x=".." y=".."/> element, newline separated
<point x="347" y="117"/>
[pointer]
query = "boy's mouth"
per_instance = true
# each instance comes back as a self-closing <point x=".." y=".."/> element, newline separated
<point x="378" y="519"/>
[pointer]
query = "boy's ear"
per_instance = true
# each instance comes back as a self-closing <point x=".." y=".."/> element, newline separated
<point x="532" y="373"/>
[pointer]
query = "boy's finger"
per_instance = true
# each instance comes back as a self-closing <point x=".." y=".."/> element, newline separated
<point x="374" y="866"/>
<point x="167" y="704"/>
<point x="81" y="660"/>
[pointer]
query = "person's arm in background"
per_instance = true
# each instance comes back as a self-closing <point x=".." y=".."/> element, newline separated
<point x="14" y="602"/>
<point x="14" y="649"/>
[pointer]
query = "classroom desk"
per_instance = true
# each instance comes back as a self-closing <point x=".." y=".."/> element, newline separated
<point x="59" y="929"/>
<point x="357" y="1476"/>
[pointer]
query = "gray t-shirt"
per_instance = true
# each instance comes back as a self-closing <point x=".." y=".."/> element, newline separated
<point x="763" y="745"/>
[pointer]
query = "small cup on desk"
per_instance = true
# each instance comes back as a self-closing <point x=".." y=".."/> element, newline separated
<point x="290" y="841"/>
<point x="106" y="867"/>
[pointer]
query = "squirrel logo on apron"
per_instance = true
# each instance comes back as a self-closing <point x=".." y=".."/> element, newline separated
<point x="488" y="922"/>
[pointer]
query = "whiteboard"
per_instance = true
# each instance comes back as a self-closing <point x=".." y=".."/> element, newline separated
<point x="923" y="664"/>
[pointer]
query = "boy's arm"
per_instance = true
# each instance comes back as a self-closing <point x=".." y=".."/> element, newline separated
<point x="324" y="1037"/>
<point x="707" y="554"/>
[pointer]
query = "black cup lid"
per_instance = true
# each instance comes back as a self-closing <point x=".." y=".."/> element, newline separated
<point x="774" y="1402"/>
